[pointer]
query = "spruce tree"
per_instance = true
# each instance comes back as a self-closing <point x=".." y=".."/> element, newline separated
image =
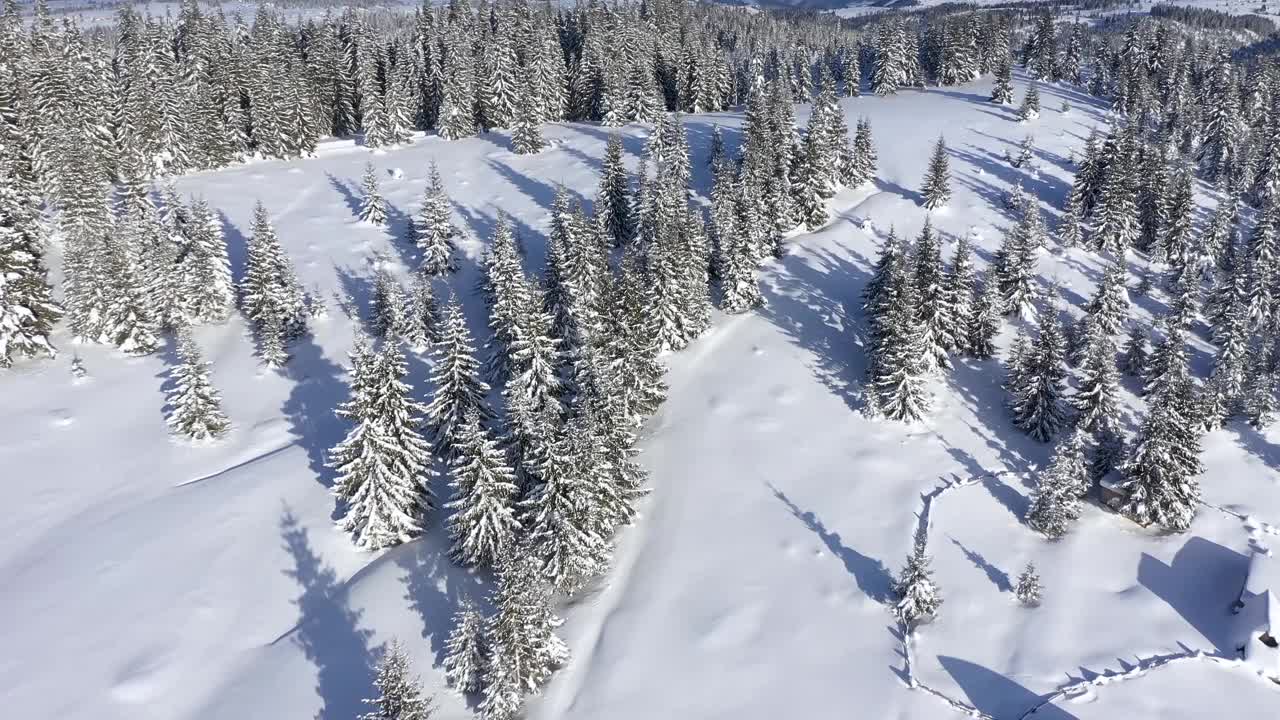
<point x="1015" y="263"/>
<point x="1037" y="384"/>
<point x="984" y="324"/>
<point x="526" y="133"/>
<point x="270" y="295"/>
<point x="1055" y="504"/>
<point x="1136" y="352"/>
<point x="400" y="695"/>
<point x="1002" y="90"/>
<point x="1028" y="588"/>
<point x="936" y="190"/>
<point x="1097" y="400"/>
<point x="207" y="289"/>
<point x="918" y="598"/>
<point x="483" y="525"/>
<point x="433" y="230"/>
<point x="1160" y="474"/>
<point x="196" y="406"/>
<point x="1030" y="107"/>
<point x="27" y="308"/>
<point x="456" y="379"/>
<point x="523" y="647"/>
<point x="1070" y="233"/>
<point x="613" y="202"/>
<point x="935" y="311"/>
<point x="897" y="365"/>
<point x="960" y="291"/>
<point x="863" y="159"/>
<point x="466" y="651"/>
<point x="383" y="464"/>
<point x="373" y="208"/>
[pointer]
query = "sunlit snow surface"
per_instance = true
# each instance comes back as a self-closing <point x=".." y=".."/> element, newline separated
<point x="146" y="578"/>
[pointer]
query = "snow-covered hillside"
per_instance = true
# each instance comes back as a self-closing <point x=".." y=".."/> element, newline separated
<point x="145" y="578"/>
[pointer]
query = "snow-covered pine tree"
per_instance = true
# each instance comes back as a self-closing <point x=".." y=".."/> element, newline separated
<point x="1055" y="504"/>
<point x="1116" y="227"/>
<point x="1070" y="233"/>
<point x="936" y="189"/>
<point x="863" y="159"/>
<point x="1015" y="263"/>
<point x="1028" y="588"/>
<point x="918" y="597"/>
<point x="934" y="301"/>
<point x="526" y="132"/>
<point x="388" y="304"/>
<point x="207" y="290"/>
<point x="466" y="650"/>
<point x="897" y="366"/>
<point x="1136" y="352"/>
<point x="1037" y="387"/>
<point x="810" y="183"/>
<point x="1160" y="474"/>
<point x="270" y="295"/>
<point x="27" y="308"/>
<point x="1097" y="400"/>
<point x="433" y="230"/>
<point x="960" y="291"/>
<point x="422" y="316"/>
<point x="1030" y="107"/>
<point x="383" y="464"/>
<point x="373" y="208"/>
<point x="984" y="324"/>
<point x="456" y="378"/>
<point x="565" y="516"/>
<point x="483" y="525"/>
<point x="523" y="647"/>
<point x="1109" y="306"/>
<point x="400" y="694"/>
<point x="1002" y="90"/>
<point x="196" y="407"/>
<point x="613" y="201"/>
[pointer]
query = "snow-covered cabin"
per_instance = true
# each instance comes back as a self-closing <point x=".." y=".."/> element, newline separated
<point x="1259" y="616"/>
<point x="1111" y="490"/>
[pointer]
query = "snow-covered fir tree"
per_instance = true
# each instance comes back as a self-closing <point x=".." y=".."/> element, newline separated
<point x="1037" y="384"/>
<point x="613" y="201"/>
<point x="383" y="464"/>
<point x="466" y="650"/>
<point x="1002" y="89"/>
<point x="984" y="324"/>
<point x="456" y="379"/>
<point x="27" y="308"/>
<point x="373" y="207"/>
<point x="388" y="304"/>
<point x="270" y="295"/>
<point x="483" y="525"/>
<point x="936" y="189"/>
<point x="961" y="278"/>
<point x="523" y="647"/>
<point x="918" y="597"/>
<point x="934" y="300"/>
<point x="1136" y="352"/>
<point x="526" y="133"/>
<point x="1030" y="107"/>
<point x="207" y="290"/>
<point x="1160" y="476"/>
<point x="1055" y="503"/>
<point x="400" y="693"/>
<point x="1097" y="399"/>
<point x="1015" y="263"/>
<point x="433" y="230"/>
<point x="896" y="365"/>
<point x="1028" y="588"/>
<point x="195" y="406"/>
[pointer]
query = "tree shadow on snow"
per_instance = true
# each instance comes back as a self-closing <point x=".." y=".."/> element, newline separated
<point x="996" y="695"/>
<point x="998" y="577"/>
<point x="318" y="388"/>
<point x="435" y="588"/>
<point x="1253" y="441"/>
<point x="347" y="190"/>
<point x="1201" y="583"/>
<point x="871" y="575"/>
<point x="328" y="631"/>
<point x="812" y="300"/>
<point x="237" y="246"/>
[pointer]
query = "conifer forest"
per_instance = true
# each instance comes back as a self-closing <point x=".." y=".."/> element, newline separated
<point x="614" y="359"/>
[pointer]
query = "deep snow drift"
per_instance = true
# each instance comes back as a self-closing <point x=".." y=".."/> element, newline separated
<point x="146" y="578"/>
